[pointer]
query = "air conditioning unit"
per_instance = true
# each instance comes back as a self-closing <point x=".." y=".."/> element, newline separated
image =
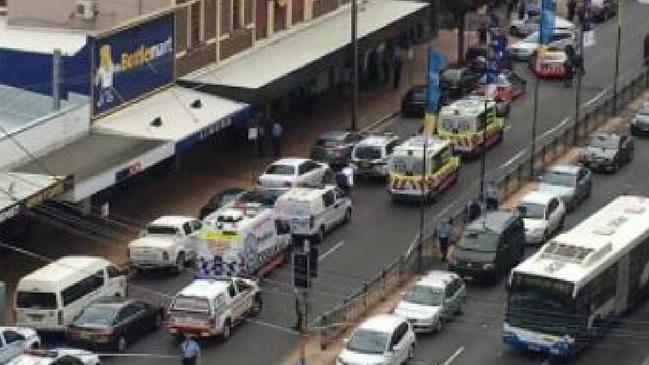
<point x="86" y="9"/>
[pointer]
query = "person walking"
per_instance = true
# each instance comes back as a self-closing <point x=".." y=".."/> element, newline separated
<point x="571" y="5"/>
<point x="444" y="236"/>
<point x="190" y="351"/>
<point x="473" y="210"/>
<point x="492" y="196"/>
<point x="342" y="181"/>
<point x="397" y="65"/>
<point x="276" y="134"/>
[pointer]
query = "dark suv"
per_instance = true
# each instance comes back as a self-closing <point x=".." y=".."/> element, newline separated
<point x="607" y="151"/>
<point x="490" y="246"/>
<point x="335" y="147"/>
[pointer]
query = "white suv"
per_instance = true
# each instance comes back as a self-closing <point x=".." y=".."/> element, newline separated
<point x="167" y="242"/>
<point x="15" y="340"/>
<point x="371" y="155"/>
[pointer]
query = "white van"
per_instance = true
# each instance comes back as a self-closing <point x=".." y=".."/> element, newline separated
<point x="314" y="212"/>
<point x="49" y="298"/>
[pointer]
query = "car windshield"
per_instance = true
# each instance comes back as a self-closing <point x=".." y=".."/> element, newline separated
<point x="226" y="197"/>
<point x="479" y="241"/>
<point x="559" y="178"/>
<point x="602" y="142"/>
<point x="97" y="315"/>
<point x="191" y="304"/>
<point x="368" y="342"/>
<point x="280" y="170"/>
<point x="532" y="210"/>
<point x="367" y="152"/>
<point x="424" y="295"/>
<point x="330" y="141"/>
<point x="33" y="300"/>
<point x="156" y="229"/>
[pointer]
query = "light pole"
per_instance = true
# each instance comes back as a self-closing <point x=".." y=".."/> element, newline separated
<point x="422" y="206"/>
<point x="578" y="89"/>
<point x="483" y="151"/>
<point x="617" y="54"/>
<point x="354" y="30"/>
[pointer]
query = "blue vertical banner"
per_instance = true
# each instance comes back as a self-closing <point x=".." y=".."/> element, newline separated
<point x="547" y="20"/>
<point x="435" y="64"/>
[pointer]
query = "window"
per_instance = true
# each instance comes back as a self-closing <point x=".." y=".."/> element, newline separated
<point x="398" y="334"/>
<point x="552" y="206"/>
<point x="34" y="300"/>
<point x="390" y="147"/>
<point x="329" y="198"/>
<point x="11" y="337"/>
<point x="602" y="288"/>
<point x="82" y="288"/>
<point x="127" y="312"/>
<point x="232" y="291"/>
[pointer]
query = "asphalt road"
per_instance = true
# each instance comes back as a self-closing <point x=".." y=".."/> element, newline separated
<point x="380" y="231"/>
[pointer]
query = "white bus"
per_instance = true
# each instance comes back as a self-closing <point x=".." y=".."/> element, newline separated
<point x="579" y="282"/>
<point x="49" y="298"/>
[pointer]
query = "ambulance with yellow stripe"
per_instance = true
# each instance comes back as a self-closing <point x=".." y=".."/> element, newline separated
<point x="245" y="239"/>
<point x="408" y="180"/>
<point x="462" y="122"/>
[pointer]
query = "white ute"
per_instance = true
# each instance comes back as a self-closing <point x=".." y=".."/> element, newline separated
<point x="167" y="242"/>
<point x="211" y="307"/>
<point x="15" y="340"/>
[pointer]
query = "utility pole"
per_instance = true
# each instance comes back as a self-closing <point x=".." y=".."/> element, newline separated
<point x="354" y="30"/>
<point x="578" y="90"/>
<point x="422" y="206"/>
<point x="56" y="79"/>
<point x="483" y="151"/>
<point x="617" y="54"/>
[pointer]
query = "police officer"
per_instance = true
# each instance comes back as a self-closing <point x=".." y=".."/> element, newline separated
<point x="444" y="236"/>
<point x="190" y="351"/>
<point x="492" y="196"/>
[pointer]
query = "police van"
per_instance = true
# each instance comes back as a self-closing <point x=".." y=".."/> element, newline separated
<point x="245" y="239"/>
<point x="370" y="156"/>
<point x="407" y="177"/>
<point x="464" y="121"/>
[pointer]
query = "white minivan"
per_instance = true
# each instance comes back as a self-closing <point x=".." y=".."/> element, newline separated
<point x="312" y="212"/>
<point x="49" y="298"/>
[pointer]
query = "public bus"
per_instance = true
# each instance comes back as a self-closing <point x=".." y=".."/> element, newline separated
<point x="563" y="296"/>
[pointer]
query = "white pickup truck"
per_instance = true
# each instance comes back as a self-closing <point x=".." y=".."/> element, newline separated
<point x="211" y="307"/>
<point x="167" y="242"/>
<point x="15" y="340"/>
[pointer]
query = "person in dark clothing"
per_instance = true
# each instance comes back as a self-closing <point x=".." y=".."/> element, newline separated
<point x="444" y="236"/>
<point x="482" y="33"/>
<point x="299" y="319"/>
<point x="510" y="8"/>
<point x="571" y="5"/>
<point x="342" y="181"/>
<point x="494" y="20"/>
<point x="570" y="71"/>
<point x="396" y="71"/>
<point x="473" y="210"/>
<point x="492" y="196"/>
<point x="581" y="13"/>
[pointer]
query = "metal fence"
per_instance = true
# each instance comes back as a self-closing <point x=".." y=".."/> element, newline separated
<point x="509" y="177"/>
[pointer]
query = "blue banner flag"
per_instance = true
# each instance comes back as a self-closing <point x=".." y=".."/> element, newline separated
<point x="547" y="20"/>
<point x="435" y="64"/>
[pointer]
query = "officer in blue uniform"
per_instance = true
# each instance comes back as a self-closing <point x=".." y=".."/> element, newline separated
<point x="444" y="236"/>
<point x="190" y="351"/>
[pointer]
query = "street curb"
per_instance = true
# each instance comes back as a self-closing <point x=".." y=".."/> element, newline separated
<point x="372" y="127"/>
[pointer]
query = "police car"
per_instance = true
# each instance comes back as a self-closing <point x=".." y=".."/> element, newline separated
<point x="370" y="156"/>
<point x="60" y="356"/>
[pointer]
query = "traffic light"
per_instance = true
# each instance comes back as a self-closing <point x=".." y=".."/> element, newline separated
<point x="301" y="269"/>
<point x="313" y="262"/>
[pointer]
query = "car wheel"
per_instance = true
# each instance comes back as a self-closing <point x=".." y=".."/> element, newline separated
<point x="227" y="330"/>
<point x="180" y="263"/>
<point x="348" y="215"/>
<point x="257" y="306"/>
<point x="121" y="344"/>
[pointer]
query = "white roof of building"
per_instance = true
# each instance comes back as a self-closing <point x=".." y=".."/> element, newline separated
<point x="172" y="220"/>
<point x="305" y="45"/>
<point x="606" y="235"/>
<point x="40" y="40"/>
<point x="172" y="106"/>
<point x="205" y="288"/>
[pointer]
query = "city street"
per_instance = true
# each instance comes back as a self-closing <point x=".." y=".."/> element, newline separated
<point x="381" y="230"/>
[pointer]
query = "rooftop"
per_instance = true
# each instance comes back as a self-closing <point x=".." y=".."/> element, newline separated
<point x="40" y="40"/>
<point x="205" y="288"/>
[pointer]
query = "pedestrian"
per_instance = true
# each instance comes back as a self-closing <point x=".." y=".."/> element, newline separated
<point x="397" y="65"/>
<point x="444" y="236"/>
<point x="581" y="13"/>
<point x="276" y="133"/>
<point x="571" y="5"/>
<point x="190" y="351"/>
<point x="492" y="196"/>
<point x="482" y="33"/>
<point x="218" y="266"/>
<point x="569" y="70"/>
<point x="473" y="210"/>
<point x="203" y="270"/>
<point x="646" y="50"/>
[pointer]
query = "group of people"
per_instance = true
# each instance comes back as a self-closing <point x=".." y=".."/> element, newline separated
<point x="261" y="127"/>
<point x="473" y="210"/>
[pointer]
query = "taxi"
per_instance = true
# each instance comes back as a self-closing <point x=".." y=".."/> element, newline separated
<point x="422" y="168"/>
<point x="464" y="121"/>
<point x="548" y="63"/>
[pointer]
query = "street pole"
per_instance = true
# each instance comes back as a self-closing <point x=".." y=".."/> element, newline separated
<point x="617" y="54"/>
<point x="575" y="132"/>
<point x="483" y="152"/>
<point x="303" y="293"/>
<point x="354" y="30"/>
<point x="422" y="207"/>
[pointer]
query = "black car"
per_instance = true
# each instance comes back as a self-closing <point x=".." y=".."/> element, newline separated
<point x="335" y="147"/>
<point x="490" y="246"/>
<point x="413" y="104"/>
<point x="458" y="82"/>
<point x="607" y="151"/>
<point x="114" y="323"/>
<point x="219" y="200"/>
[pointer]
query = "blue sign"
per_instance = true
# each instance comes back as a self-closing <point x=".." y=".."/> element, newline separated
<point x="435" y="64"/>
<point x="132" y="62"/>
<point x="547" y="21"/>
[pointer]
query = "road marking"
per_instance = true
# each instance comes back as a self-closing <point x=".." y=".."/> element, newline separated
<point x="273" y="326"/>
<point x="595" y="98"/>
<point x="550" y="131"/>
<point x="331" y="250"/>
<point x="508" y="127"/>
<point x="457" y="353"/>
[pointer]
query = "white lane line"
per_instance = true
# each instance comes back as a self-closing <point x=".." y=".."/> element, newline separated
<point x="273" y="326"/>
<point x="556" y="127"/>
<point x="514" y="158"/>
<point x="452" y="358"/>
<point x="331" y="250"/>
<point x="595" y="98"/>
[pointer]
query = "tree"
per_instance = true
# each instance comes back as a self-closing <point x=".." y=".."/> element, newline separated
<point x="458" y="9"/>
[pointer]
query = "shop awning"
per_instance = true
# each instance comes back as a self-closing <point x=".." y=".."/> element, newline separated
<point x="294" y="51"/>
<point x="25" y="190"/>
<point x="176" y="114"/>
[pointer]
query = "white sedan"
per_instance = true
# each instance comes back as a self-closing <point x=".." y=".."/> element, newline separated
<point x="60" y="356"/>
<point x="295" y="172"/>
<point x="525" y="27"/>
<point x="15" y="340"/>
<point x="524" y="49"/>
<point x="543" y="215"/>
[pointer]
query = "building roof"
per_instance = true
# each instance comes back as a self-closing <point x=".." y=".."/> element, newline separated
<point x="40" y="40"/>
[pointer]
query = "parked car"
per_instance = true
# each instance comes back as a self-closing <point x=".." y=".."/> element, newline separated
<point x="167" y="242"/>
<point x="413" y="104"/>
<point x="543" y="215"/>
<point x="219" y="200"/>
<point x="381" y="339"/>
<point x="525" y="49"/>
<point x="490" y="246"/>
<point x="114" y="323"/>
<point x="607" y="151"/>
<point x="288" y="173"/>
<point x="56" y="356"/>
<point x="524" y="27"/>
<point x="640" y="121"/>
<point x="370" y="156"/>
<point x="16" y="340"/>
<point x="264" y="197"/>
<point x="572" y="183"/>
<point x="432" y="301"/>
<point x="335" y="147"/>
<point x="458" y="82"/>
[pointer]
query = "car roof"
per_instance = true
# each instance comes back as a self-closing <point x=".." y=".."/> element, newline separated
<point x="292" y="161"/>
<point x="65" y="267"/>
<point x="203" y="288"/>
<point x="494" y="221"/>
<point x="232" y="190"/>
<point x="377" y="140"/>
<point x="172" y="220"/>
<point x="605" y="135"/>
<point x="335" y="135"/>
<point x="304" y="193"/>
<point x="382" y="322"/>
<point x="537" y="197"/>
<point x="436" y="278"/>
<point x="564" y="169"/>
<point x="111" y="302"/>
